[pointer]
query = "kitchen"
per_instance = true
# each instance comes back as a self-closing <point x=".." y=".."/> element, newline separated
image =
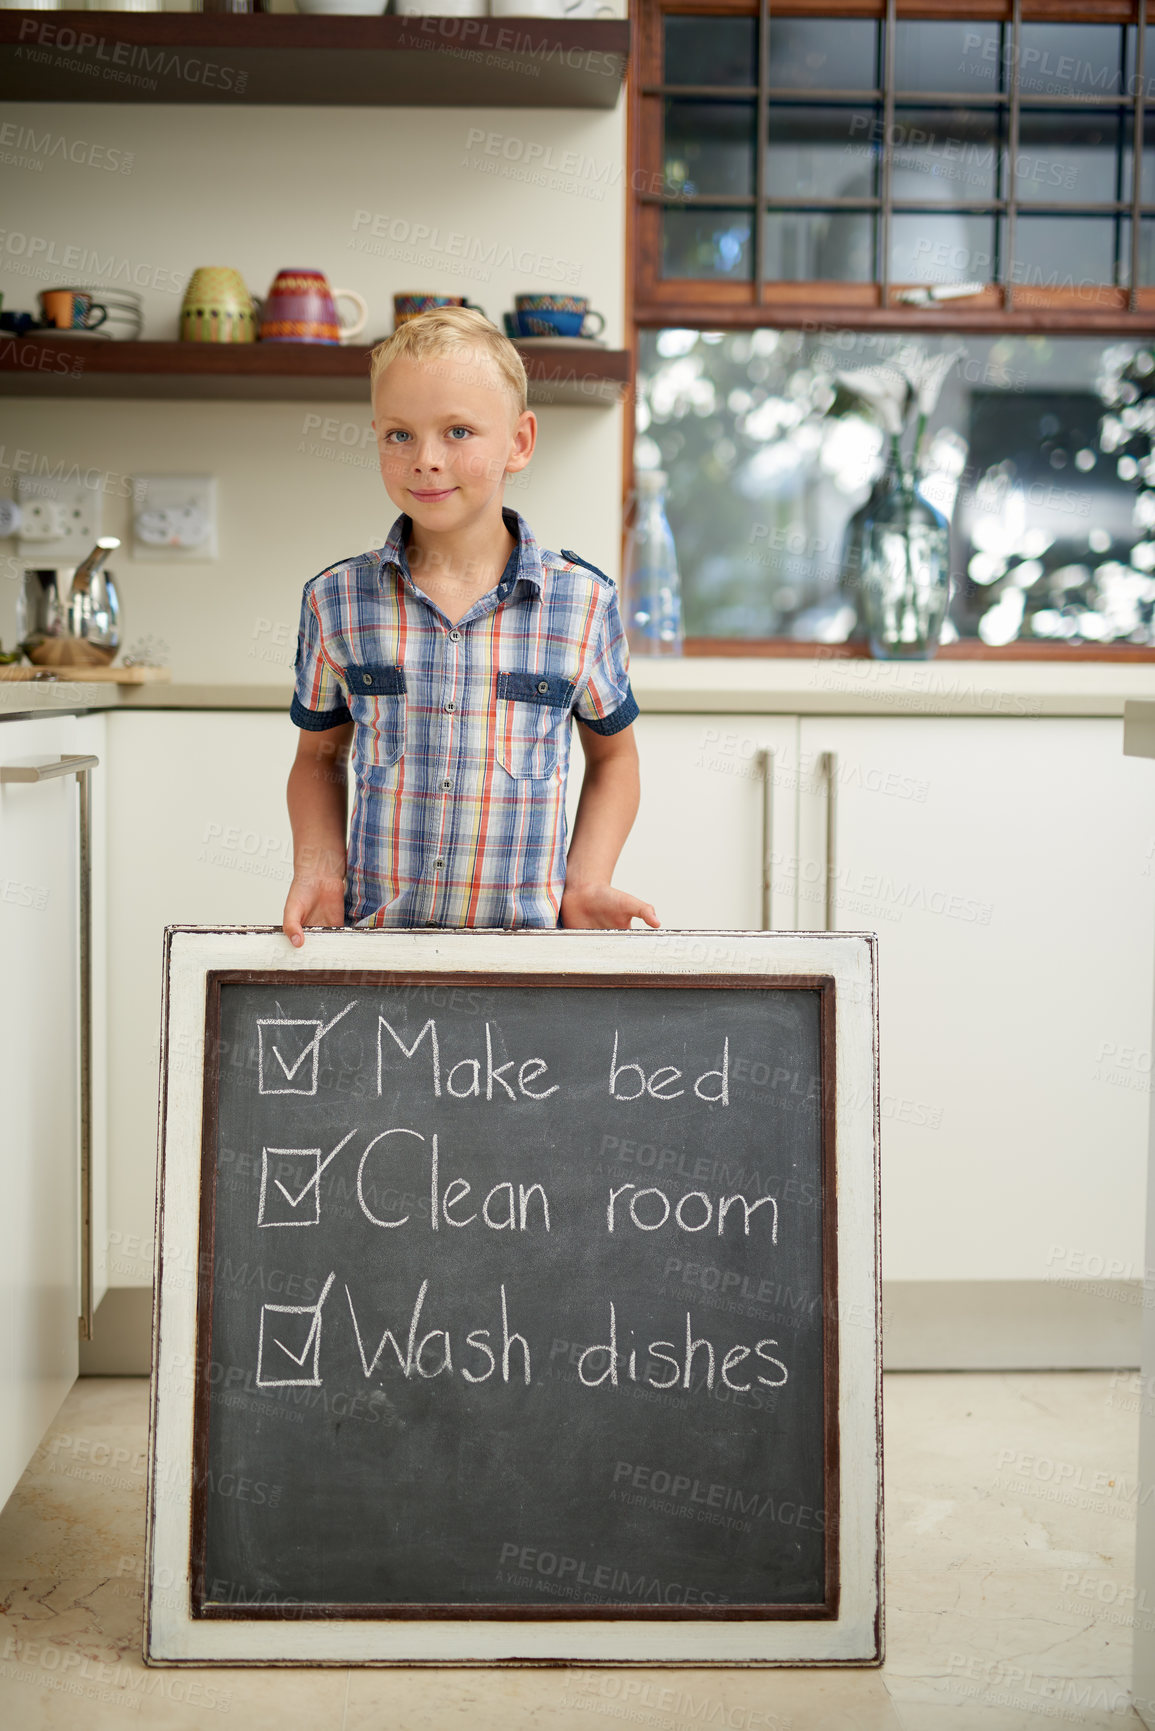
<point x="977" y="799"/>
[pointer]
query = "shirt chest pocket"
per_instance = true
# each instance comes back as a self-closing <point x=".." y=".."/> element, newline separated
<point x="533" y="711"/>
<point x="377" y="704"/>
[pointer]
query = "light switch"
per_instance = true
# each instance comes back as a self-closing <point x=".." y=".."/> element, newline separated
<point x="174" y="517"/>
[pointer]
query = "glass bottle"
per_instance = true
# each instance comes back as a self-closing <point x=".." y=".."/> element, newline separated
<point x="653" y="589"/>
<point x="905" y="580"/>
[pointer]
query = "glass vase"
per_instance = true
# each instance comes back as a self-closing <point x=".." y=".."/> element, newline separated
<point x="853" y="546"/>
<point x="905" y="576"/>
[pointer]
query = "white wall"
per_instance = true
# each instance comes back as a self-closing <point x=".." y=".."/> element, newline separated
<point x="265" y="188"/>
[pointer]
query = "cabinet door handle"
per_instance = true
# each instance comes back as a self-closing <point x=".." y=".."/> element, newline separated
<point x="828" y="768"/>
<point x="47" y="771"/>
<point x="765" y="762"/>
<point x="78" y="765"/>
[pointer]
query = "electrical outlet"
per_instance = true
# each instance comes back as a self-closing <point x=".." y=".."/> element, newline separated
<point x="57" y="522"/>
<point x="174" y="517"/>
<point x="42" y="520"/>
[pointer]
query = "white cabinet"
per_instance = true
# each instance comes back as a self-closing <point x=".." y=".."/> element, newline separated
<point x="90" y="738"/>
<point x="198" y="835"/>
<point x="40" y="1223"/>
<point x="697" y="848"/>
<point x="1005" y="864"/>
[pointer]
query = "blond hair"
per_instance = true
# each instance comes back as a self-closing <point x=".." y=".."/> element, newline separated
<point x="454" y="332"/>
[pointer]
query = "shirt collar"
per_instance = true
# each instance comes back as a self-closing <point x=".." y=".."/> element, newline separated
<point x="523" y="565"/>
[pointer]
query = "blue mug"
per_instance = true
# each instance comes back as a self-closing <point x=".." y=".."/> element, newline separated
<point x="548" y="322"/>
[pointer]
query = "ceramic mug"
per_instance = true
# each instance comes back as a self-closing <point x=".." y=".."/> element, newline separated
<point x="217" y="308"/>
<point x="519" y="325"/>
<point x="302" y="308"/>
<point x="71" y="309"/>
<point x="556" y="316"/>
<point x="407" y="307"/>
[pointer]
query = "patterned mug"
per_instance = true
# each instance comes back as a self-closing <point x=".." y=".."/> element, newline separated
<point x="557" y="316"/>
<point x="302" y="308"/>
<point x="217" y="308"/>
<point x="71" y="309"/>
<point x="406" y="307"/>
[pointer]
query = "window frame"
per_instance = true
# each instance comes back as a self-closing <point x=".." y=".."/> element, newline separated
<point x="1002" y="306"/>
<point x="654" y="303"/>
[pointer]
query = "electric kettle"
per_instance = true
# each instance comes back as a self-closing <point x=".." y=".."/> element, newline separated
<point x="68" y="616"/>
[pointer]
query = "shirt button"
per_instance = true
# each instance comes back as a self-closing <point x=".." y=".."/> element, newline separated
<point x="366" y="679"/>
<point x="455" y="637"/>
<point x="437" y="864"/>
<point x="447" y="785"/>
<point x="543" y="686"/>
<point x="450" y="707"/>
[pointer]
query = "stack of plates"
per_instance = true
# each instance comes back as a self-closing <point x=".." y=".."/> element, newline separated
<point x="125" y="320"/>
<point x="124" y="307"/>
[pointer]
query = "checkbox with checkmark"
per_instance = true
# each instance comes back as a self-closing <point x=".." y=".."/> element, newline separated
<point x="289" y="1052"/>
<point x="295" y="1073"/>
<point x="290" y="1193"/>
<point x="291" y="1185"/>
<point x="289" y="1344"/>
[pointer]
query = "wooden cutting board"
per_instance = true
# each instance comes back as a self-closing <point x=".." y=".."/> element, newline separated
<point x="110" y="675"/>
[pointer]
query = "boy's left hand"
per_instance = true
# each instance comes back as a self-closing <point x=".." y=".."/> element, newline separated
<point x="600" y="907"/>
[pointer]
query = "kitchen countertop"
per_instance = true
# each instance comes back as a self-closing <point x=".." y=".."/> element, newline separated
<point x="22" y="698"/>
<point x="838" y="685"/>
<point x="806" y="685"/>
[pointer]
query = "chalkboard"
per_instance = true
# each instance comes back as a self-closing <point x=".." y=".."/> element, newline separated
<point x="517" y="1296"/>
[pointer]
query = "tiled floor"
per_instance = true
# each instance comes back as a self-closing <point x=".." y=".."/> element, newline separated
<point x="1007" y="1563"/>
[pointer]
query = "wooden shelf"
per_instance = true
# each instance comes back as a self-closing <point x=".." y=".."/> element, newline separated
<point x="576" y="375"/>
<point x="225" y="58"/>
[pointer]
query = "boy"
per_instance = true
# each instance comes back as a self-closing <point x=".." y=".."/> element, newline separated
<point x="451" y="660"/>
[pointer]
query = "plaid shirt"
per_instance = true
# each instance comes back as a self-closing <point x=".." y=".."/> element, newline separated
<point x="462" y="739"/>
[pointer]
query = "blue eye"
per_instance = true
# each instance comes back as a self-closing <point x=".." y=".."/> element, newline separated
<point x="453" y="430"/>
<point x="396" y="435"/>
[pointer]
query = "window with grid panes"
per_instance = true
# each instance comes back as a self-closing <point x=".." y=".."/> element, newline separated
<point x="835" y="185"/>
<point x="860" y="157"/>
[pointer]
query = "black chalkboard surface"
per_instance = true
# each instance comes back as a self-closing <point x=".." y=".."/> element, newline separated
<point x="516" y="1295"/>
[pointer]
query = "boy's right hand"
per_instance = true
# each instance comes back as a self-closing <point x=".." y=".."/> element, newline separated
<point x="312" y="901"/>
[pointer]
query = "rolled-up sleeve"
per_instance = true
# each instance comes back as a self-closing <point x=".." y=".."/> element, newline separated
<point x="606" y="704"/>
<point x="318" y="695"/>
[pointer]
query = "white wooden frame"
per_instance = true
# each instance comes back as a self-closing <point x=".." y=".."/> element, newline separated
<point x="173" y="1635"/>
